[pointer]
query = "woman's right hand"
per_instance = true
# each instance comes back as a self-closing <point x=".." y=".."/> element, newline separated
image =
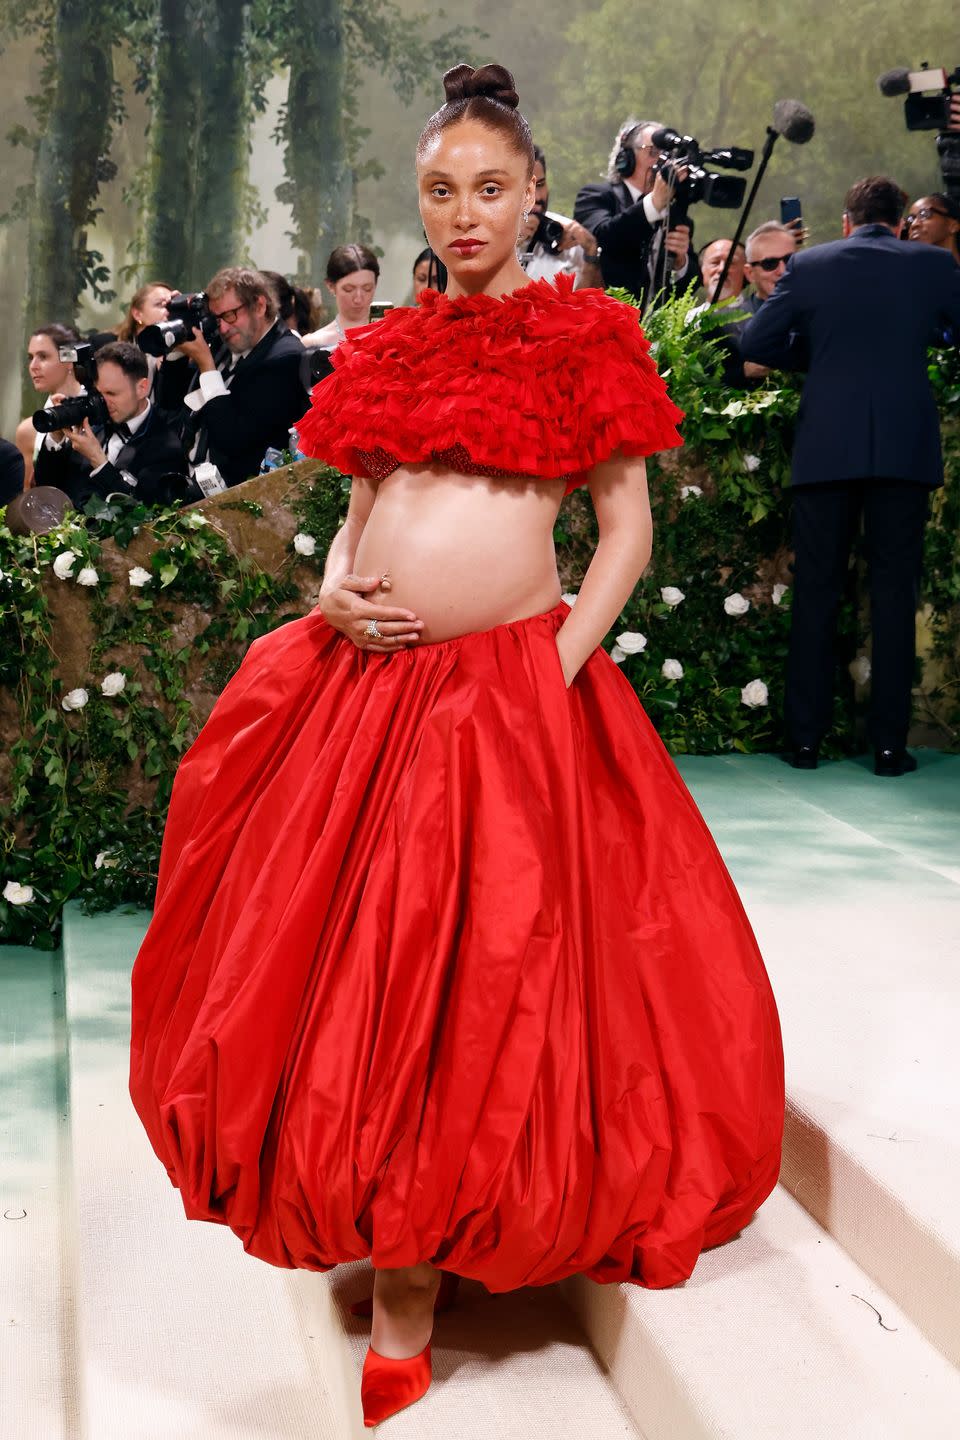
<point x="347" y="609"/>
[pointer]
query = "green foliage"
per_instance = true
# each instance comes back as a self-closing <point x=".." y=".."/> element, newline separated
<point x="87" y="788"/>
<point x="715" y="72"/>
<point x="732" y="540"/>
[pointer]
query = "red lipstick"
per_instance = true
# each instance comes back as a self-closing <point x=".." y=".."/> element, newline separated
<point x="468" y="247"/>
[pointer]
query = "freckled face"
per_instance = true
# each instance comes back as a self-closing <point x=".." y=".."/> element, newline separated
<point x="473" y="190"/>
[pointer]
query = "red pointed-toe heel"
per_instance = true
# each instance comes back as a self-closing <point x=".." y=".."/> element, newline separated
<point x="446" y="1297"/>
<point x="387" y="1386"/>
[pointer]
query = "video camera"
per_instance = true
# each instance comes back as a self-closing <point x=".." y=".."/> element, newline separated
<point x="723" y="192"/>
<point x="77" y="408"/>
<point x="927" y="107"/>
<point x="185" y="313"/>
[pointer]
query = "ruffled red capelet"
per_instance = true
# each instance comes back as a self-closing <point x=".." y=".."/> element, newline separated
<point x="544" y="382"/>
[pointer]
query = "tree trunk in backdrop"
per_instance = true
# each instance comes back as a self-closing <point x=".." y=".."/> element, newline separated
<point x="199" y="140"/>
<point x="319" y="183"/>
<point x="223" y="139"/>
<point x="172" y="183"/>
<point x="71" y="161"/>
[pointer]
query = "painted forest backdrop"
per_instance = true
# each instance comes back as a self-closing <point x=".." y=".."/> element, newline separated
<point x="164" y="138"/>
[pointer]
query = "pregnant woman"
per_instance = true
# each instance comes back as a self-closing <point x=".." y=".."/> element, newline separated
<point x="445" y="969"/>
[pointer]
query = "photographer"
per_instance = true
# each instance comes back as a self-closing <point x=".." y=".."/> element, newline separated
<point x="129" y="447"/>
<point x="644" y="235"/>
<point x="237" y="403"/>
<point x="550" y="245"/>
<point x="49" y="376"/>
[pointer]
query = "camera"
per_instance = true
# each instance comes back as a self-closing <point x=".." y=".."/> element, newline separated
<point x="71" y="412"/>
<point x="185" y="313"/>
<point x="723" y="192"/>
<point x="927" y="107"/>
<point x="549" y="233"/>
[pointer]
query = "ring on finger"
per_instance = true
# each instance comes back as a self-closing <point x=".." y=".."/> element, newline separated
<point x="373" y="630"/>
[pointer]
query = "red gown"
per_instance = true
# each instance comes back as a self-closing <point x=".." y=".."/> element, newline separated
<point x="444" y="963"/>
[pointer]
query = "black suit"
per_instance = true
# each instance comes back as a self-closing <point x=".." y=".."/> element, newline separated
<point x="625" y="235"/>
<point x="266" y="396"/>
<point x="11" y="471"/>
<point x="152" y="458"/>
<point x="867" y="443"/>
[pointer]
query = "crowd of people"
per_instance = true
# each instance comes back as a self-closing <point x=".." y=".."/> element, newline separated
<point x="207" y="413"/>
<point x="201" y="417"/>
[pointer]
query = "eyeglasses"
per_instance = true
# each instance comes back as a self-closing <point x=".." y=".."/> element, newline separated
<point x="927" y="213"/>
<point x="649" y="149"/>
<point x="227" y="317"/>
<point x="770" y="262"/>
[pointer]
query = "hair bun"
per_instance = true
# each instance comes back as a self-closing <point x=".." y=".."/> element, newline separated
<point x="489" y="82"/>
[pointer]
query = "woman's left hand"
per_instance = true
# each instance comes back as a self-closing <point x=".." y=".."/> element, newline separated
<point x="568" y="673"/>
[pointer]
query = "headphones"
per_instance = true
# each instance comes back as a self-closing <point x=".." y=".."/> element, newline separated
<point x="625" y="160"/>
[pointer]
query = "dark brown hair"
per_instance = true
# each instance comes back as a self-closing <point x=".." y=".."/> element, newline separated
<point x="348" y="259"/>
<point x="59" y="334"/>
<point x="129" y="326"/>
<point x="129" y="357"/>
<point x="487" y="95"/>
<point x="877" y="200"/>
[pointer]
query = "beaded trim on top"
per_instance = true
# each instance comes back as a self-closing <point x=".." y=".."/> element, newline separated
<point x="542" y="383"/>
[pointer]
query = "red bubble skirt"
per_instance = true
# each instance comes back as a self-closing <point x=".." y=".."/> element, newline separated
<point x="445" y="966"/>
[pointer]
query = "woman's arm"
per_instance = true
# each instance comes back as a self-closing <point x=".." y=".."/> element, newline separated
<point x="24" y="439"/>
<point x="342" y="593"/>
<point x="618" y="489"/>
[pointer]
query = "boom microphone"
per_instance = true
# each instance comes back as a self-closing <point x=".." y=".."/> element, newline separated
<point x="793" y="121"/>
<point x="894" y="82"/>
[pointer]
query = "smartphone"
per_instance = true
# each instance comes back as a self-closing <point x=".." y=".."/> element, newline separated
<point x="790" y="210"/>
<point x="379" y="308"/>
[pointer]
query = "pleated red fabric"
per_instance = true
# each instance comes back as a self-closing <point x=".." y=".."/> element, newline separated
<point x="446" y="966"/>
<point x="543" y="382"/>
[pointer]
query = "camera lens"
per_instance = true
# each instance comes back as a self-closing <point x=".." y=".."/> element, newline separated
<point x="159" y="339"/>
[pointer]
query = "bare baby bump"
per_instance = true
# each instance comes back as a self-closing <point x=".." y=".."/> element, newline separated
<point x="463" y="553"/>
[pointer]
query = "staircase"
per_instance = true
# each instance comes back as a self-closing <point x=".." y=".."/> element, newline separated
<point x="834" y="1316"/>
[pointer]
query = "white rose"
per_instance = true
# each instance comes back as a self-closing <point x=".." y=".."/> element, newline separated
<point x="671" y="670"/>
<point x="113" y="683"/>
<point x="631" y="642"/>
<point x="617" y="655"/>
<point x="105" y="861"/>
<point x="736" y="604"/>
<point x="778" y="593"/>
<point x="64" y="563"/>
<point x="138" y="577"/>
<point x="670" y="595"/>
<point x="87" y="576"/>
<point x="690" y="492"/>
<point x="751" y="463"/>
<point x="304" y="544"/>
<point x="569" y="597"/>
<point x="860" y="669"/>
<point x="17" y="894"/>
<point x="754" y="694"/>
<point x="75" y="699"/>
